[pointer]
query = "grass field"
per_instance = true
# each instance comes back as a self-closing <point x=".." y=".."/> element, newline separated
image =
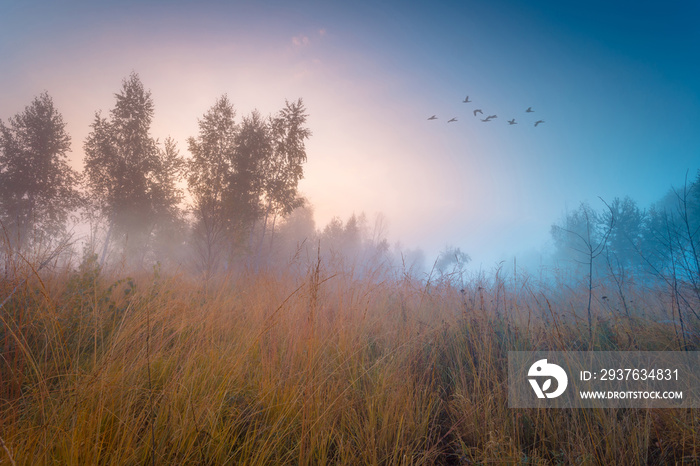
<point x="313" y="367"/>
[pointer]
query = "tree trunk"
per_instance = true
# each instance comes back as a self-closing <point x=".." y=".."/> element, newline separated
<point x="106" y="245"/>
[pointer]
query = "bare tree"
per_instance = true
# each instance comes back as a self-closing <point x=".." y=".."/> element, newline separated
<point x="588" y="241"/>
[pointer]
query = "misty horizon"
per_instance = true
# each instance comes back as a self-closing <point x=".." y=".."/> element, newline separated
<point x="271" y="232"/>
<point x="492" y="189"/>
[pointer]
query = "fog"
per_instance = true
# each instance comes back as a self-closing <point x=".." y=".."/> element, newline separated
<point x="612" y="126"/>
<point x="272" y="232"/>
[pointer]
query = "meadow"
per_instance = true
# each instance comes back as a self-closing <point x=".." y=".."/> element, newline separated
<point x="314" y="364"/>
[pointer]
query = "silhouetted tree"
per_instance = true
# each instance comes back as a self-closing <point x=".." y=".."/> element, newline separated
<point x="353" y="247"/>
<point x="671" y="241"/>
<point x="344" y="241"/>
<point x="584" y="232"/>
<point x="169" y="230"/>
<point x="246" y="179"/>
<point x="580" y="223"/>
<point x="38" y="189"/>
<point x="673" y="224"/>
<point x="284" y="169"/>
<point x="450" y="265"/>
<point x="626" y="233"/>
<point x="208" y="177"/>
<point x="132" y="181"/>
<point x="242" y="176"/>
<point x="295" y="232"/>
<point x="688" y="209"/>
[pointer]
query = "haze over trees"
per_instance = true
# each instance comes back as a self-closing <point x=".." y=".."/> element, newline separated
<point x="643" y="243"/>
<point x="243" y="177"/>
<point x="131" y="179"/>
<point x="628" y="247"/>
<point x="234" y="199"/>
<point x="346" y="350"/>
<point x="207" y="173"/>
<point x="38" y="189"/>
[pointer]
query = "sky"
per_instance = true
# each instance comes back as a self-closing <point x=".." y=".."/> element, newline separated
<point x="617" y="84"/>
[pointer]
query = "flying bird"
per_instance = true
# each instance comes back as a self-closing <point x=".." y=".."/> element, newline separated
<point x="492" y="116"/>
<point x="432" y="118"/>
<point x="466" y="100"/>
<point x="478" y="110"/>
<point x="538" y="122"/>
<point x="486" y="119"/>
<point x="451" y="120"/>
<point x="529" y="110"/>
<point x="512" y="122"/>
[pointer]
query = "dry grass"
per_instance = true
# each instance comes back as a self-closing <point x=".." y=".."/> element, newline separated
<point x="315" y="369"/>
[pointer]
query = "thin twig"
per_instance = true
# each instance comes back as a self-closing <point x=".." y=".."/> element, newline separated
<point x="9" y="454"/>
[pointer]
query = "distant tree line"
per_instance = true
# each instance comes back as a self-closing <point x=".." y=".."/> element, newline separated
<point x="660" y="240"/>
<point x="236" y="199"/>
<point x="624" y="245"/>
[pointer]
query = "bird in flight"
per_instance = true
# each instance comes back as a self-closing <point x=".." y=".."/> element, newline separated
<point x="492" y="116"/>
<point x="478" y="110"/>
<point x="486" y="119"/>
<point x="529" y="110"/>
<point x="432" y="118"/>
<point x="512" y="122"/>
<point x="451" y="120"/>
<point x="538" y="122"/>
<point x="466" y="100"/>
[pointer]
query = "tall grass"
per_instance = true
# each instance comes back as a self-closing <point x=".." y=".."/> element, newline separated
<point x="316" y="368"/>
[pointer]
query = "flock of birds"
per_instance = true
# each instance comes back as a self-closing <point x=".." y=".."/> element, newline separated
<point x="490" y="117"/>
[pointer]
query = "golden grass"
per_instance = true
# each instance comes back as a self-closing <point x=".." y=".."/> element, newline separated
<point x="316" y="369"/>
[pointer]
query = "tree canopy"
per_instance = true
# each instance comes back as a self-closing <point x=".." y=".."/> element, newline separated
<point x="131" y="178"/>
<point x="243" y="175"/>
<point x="38" y="188"/>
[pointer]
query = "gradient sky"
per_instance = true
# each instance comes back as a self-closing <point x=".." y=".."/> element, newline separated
<point x="617" y="83"/>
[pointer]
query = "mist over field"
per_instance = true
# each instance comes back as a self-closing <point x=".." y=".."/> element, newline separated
<point x="276" y="233"/>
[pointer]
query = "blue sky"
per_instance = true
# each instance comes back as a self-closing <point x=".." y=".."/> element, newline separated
<point x="617" y="84"/>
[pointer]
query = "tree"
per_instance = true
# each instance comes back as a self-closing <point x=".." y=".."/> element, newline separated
<point x="284" y="169"/>
<point x="295" y="232"/>
<point x="672" y="250"/>
<point x="38" y="189"/>
<point x="568" y="235"/>
<point x="586" y="234"/>
<point x="132" y="181"/>
<point x="672" y="227"/>
<point x="451" y="263"/>
<point x="208" y="177"/>
<point x="168" y="238"/>
<point x="626" y="233"/>
<point x="622" y="251"/>
<point x="242" y="176"/>
<point x="247" y="178"/>
<point x="355" y="248"/>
